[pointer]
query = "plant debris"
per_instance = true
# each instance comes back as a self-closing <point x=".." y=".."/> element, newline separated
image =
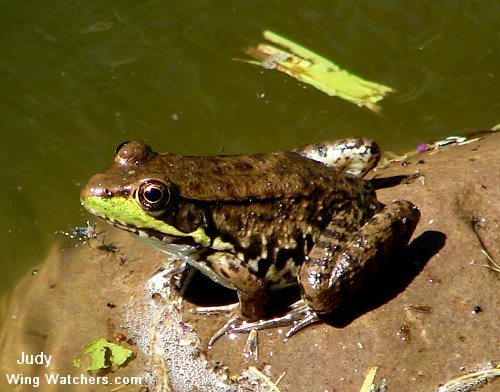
<point x="97" y="350"/>
<point x="317" y="71"/>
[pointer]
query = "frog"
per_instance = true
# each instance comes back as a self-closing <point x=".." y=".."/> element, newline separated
<point x="260" y="223"/>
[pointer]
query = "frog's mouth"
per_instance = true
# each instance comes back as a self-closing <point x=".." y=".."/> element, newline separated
<point x="178" y="247"/>
<point x="153" y="234"/>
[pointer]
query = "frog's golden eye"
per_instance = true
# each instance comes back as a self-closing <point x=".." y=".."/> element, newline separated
<point x="153" y="195"/>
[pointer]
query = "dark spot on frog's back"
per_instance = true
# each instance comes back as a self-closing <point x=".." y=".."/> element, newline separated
<point x="221" y="167"/>
<point x="243" y="166"/>
<point x="217" y="170"/>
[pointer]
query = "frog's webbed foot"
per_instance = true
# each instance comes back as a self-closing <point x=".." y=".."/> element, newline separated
<point x="303" y="315"/>
<point x="299" y="315"/>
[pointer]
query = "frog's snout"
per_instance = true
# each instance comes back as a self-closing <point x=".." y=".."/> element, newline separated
<point x="95" y="187"/>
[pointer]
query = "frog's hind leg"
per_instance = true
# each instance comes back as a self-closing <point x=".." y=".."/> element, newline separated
<point x="356" y="156"/>
<point x="330" y="277"/>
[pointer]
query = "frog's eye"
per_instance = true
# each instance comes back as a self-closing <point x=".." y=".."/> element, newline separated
<point x="153" y="195"/>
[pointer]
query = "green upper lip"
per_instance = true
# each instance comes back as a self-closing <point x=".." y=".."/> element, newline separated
<point x="125" y="211"/>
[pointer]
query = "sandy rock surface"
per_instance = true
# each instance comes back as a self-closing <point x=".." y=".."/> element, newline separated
<point x="430" y="317"/>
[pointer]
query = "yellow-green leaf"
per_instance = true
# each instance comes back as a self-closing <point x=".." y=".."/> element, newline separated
<point x="96" y="350"/>
<point x="317" y="71"/>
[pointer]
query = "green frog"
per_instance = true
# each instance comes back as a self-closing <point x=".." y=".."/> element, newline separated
<point x="259" y="223"/>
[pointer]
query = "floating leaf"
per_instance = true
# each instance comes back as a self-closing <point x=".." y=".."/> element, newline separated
<point x="317" y="71"/>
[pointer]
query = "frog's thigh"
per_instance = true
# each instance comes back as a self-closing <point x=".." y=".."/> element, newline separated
<point x="251" y="290"/>
<point x="352" y="155"/>
<point x="327" y="279"/>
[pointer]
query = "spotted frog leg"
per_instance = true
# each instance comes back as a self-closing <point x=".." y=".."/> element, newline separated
<point x="355" y="156"/>
<point x="332" y="273"/>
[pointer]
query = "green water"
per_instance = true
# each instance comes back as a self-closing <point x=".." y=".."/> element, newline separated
<point x="80" y="77"/>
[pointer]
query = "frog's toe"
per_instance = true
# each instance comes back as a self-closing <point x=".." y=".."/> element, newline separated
<point x="299" y="315"/>
<point x="309" y="317"/>
<point x="231" y="308"/>
<point x="228" y="326"/>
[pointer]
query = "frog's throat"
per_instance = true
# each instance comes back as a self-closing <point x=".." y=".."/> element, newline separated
<point x="125" y="212"/>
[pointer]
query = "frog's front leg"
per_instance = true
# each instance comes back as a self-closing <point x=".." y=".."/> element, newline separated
<point x="252" y="294"/>
<point x="331" y="274"/>
<point x="251" y="290"/>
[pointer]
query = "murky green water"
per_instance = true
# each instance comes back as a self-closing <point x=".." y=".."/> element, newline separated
<point x="80" y="77"/>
